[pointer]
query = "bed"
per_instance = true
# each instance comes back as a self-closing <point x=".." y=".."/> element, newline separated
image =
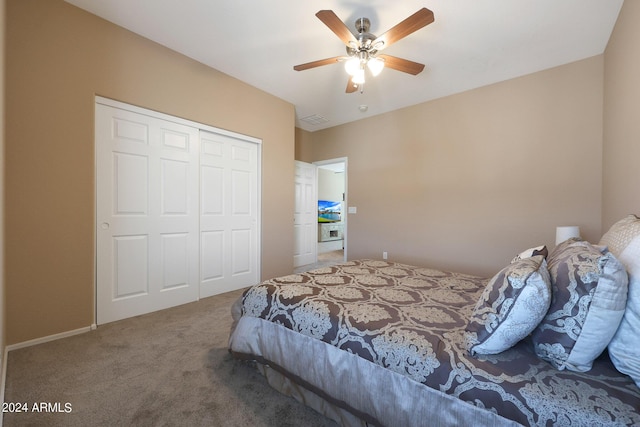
<point x="371" y="342"/>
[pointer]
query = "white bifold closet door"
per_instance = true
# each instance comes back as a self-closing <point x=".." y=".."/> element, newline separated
<point x="228" y="213"/>
<point x="158" y="197"/>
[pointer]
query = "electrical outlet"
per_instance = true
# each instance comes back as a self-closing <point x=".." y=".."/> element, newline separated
<point x="384" y="255"/>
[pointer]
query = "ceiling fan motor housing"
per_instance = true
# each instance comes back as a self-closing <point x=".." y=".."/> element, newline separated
<point x="363" y="48"/>
<point x="362" y="25"/>
<point x="364" y="36"/>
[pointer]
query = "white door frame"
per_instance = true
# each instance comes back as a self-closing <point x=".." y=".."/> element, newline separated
<point x="202" y="127"/>
<point x="345" y="232"/>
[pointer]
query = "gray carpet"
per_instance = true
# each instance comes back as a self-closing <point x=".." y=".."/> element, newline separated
<point x="169" y="368"/>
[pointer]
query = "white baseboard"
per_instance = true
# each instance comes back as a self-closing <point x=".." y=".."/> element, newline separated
<point x="50" y="338"/>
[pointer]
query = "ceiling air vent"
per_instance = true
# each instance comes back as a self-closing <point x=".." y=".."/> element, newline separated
<point x="314" y="119"/>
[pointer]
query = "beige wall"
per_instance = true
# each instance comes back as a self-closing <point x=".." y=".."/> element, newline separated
<point x="303" y="145"/>
<point x="330" y="185"/>
<point x="466" y="182"/>
<point x="58" y="58"/>
<point x="621" y="179"/>
<point x="2" y="109"/>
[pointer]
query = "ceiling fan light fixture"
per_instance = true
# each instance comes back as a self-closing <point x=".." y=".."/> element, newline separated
<point x="375" y="66"/>
<point x="352" y="65"/>
<point x="358" y="77"/>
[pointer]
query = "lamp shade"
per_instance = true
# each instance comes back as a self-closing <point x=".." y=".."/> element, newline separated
<point x="358" y="76"/>
<point x="352" y="66"/>
<point x="375" y="65"/>
<point x="566" y="232"/>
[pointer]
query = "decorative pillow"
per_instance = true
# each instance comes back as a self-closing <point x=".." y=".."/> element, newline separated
<point x="623" y="240"/>
<point x="538" y="250"/>
<point x="511" y="306"/>
<point x="564" y="245"/>
<point x="589" y="287"/>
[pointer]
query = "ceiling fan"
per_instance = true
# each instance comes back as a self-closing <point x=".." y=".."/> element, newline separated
<point x="363" y="49"/>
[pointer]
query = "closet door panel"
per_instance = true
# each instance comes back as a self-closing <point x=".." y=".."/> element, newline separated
<point x="229" y="213"/>
<point x="147" y="239"/>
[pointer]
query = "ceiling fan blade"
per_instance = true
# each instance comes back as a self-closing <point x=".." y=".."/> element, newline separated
<point x="334" y="23"/>
<point x="421" y="18"/>
<point x="351" y="86"/>
<point x="403" y="65"/>
<point x="318" y="63"/>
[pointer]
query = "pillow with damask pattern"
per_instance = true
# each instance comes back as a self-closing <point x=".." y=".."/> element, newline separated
<point x="513" y="303"/>
<point x="589" y="288"/>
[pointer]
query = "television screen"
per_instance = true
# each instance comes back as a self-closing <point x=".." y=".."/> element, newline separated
<point x="329" y="211"/>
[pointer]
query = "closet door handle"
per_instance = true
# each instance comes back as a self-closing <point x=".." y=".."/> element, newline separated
<point x="104" y="225"/>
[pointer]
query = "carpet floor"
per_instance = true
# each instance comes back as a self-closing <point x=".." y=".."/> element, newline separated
<point x="169" y="368"/>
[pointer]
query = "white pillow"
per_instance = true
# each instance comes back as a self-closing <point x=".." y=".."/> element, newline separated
<point x="538" y="250"/>
<point x="623" y="240"/>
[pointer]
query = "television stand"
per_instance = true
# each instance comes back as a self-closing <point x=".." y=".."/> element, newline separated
<point x="329" y="231"/>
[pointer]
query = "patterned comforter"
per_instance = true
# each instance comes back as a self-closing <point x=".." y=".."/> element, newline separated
<point x="411" y="321"/>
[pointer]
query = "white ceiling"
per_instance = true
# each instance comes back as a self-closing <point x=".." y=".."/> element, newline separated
<point x="472" y="43"/>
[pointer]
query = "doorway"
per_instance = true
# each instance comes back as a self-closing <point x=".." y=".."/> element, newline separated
<point x="332" y="187"/>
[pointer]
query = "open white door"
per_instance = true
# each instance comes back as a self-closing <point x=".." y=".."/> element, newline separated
<point x="305" y="218"/>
